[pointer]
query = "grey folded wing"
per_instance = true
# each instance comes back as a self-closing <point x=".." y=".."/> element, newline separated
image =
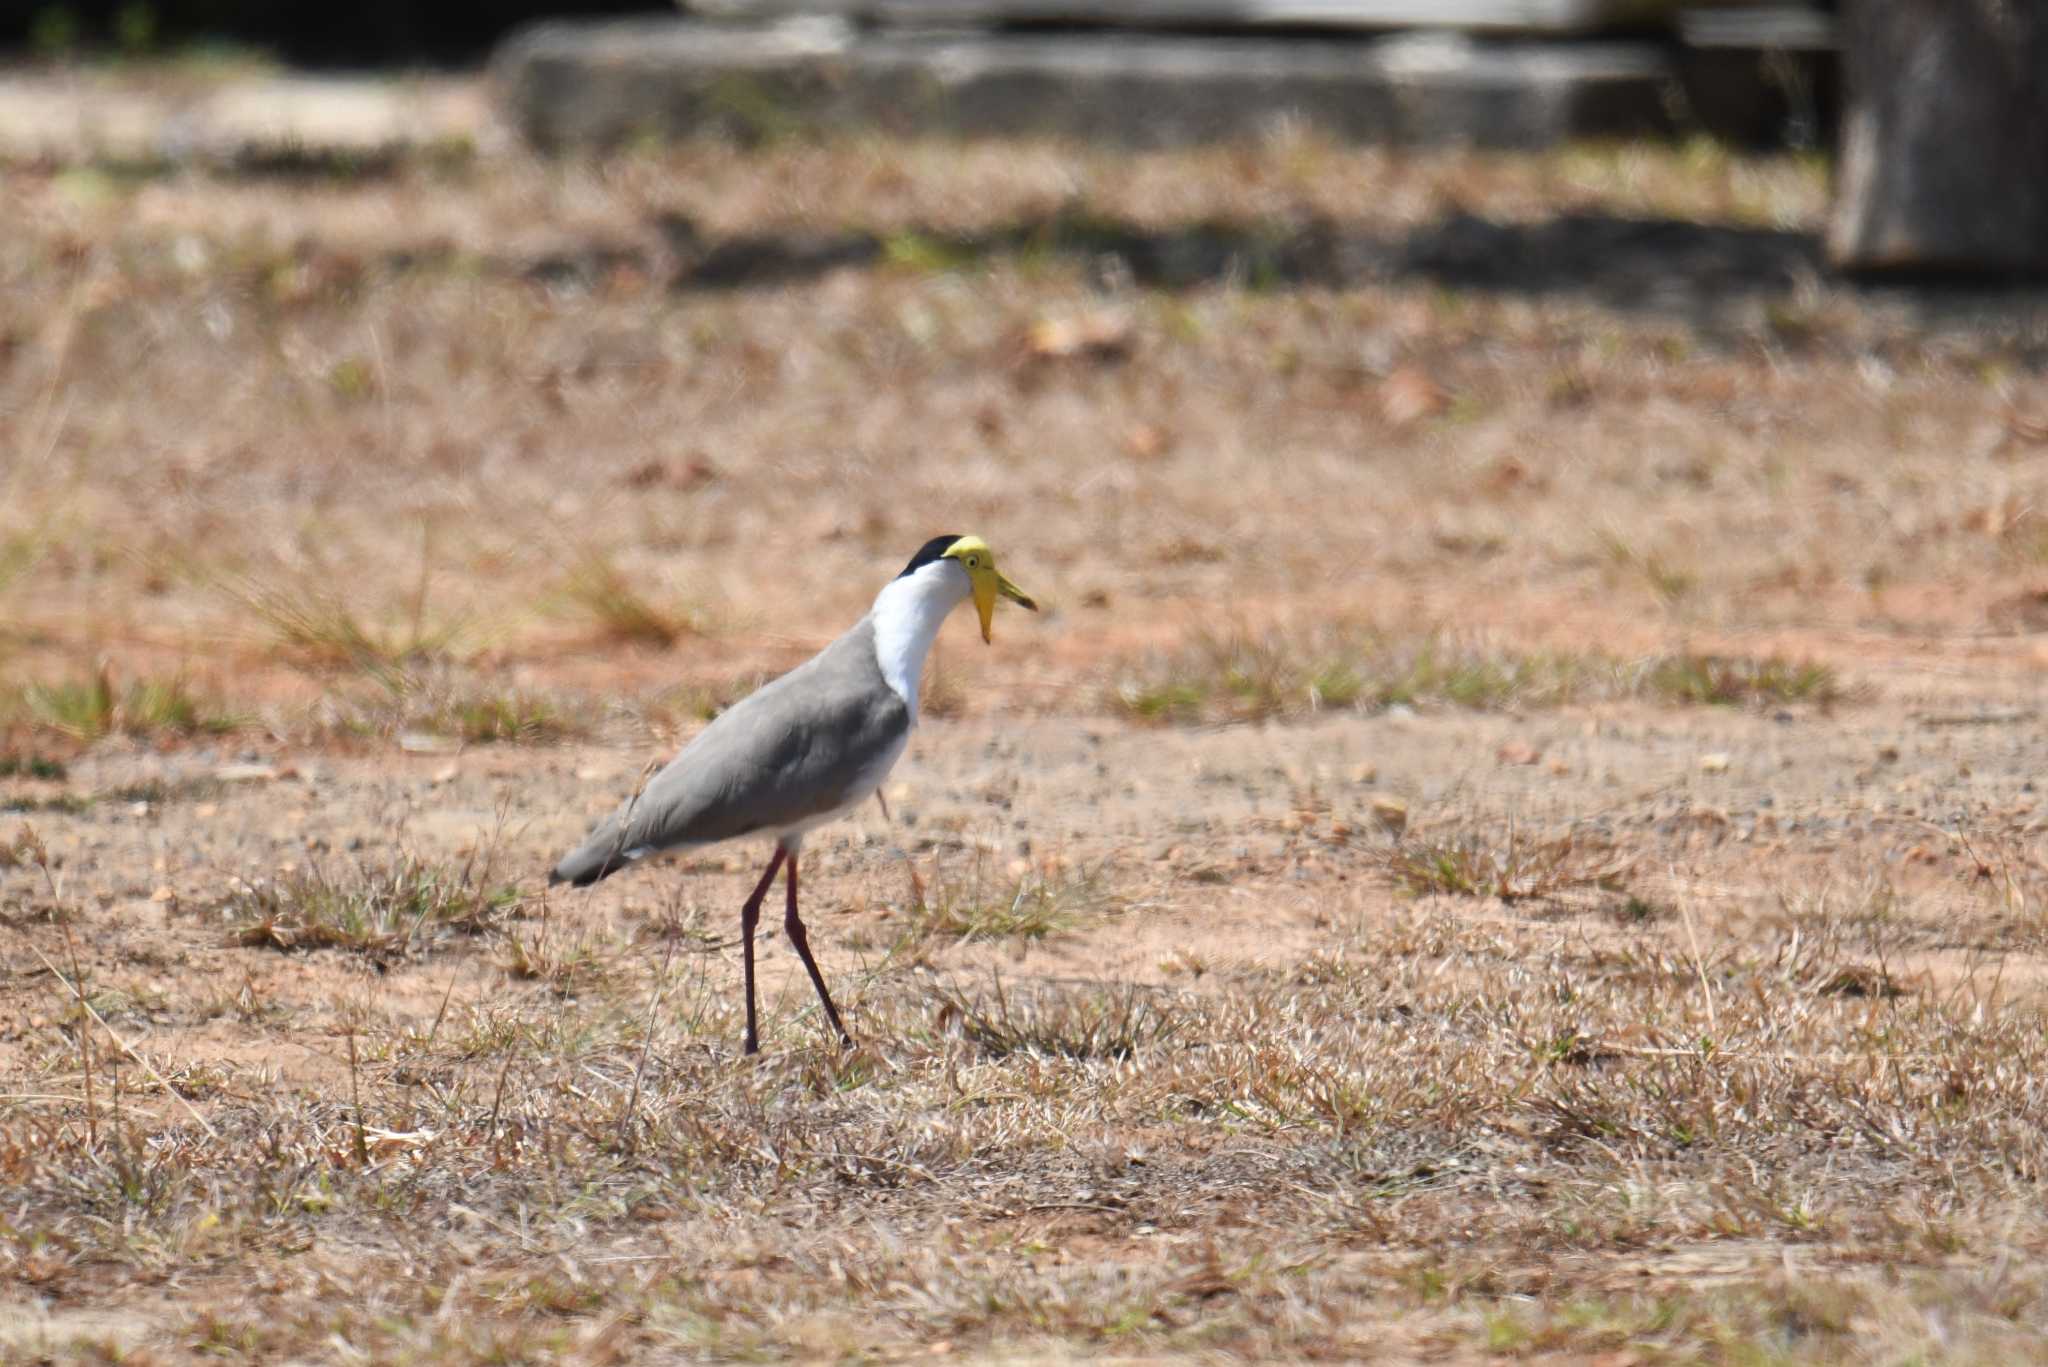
<point x="801" y="747"/>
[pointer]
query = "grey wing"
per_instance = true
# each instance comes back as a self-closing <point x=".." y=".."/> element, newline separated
<point x="781" y="756"/>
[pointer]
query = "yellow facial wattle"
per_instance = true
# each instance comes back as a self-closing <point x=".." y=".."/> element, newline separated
<point x="987" y="581"/>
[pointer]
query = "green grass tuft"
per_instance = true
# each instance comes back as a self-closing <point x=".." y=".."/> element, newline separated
<point x="93" y="708"/>
<point x="381" y="910"/>
<point x="1735" y="681"/>
<point x="929" y="253"/>
<point x="1247" y="676"/>
<point x="515" y="717"/>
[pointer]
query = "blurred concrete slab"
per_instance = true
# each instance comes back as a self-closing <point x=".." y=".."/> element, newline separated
<point x="1761" y="75"/>
<point x="75" y="116"/>
<point x="1490" y="16"/>
<point x="1760" y="28"/>
<point x="599" y="84"/>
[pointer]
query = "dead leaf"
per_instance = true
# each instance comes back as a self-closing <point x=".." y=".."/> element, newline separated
<point x="2000" y="519"/>
<point x="1506" y="475"/>
<point x="1102" y="336"/>
<point x="1409" y="395"/>
<point x="382" y="1143"/>
<point x="2026" y="427"/>
<point x="1391" y="813"/>
<point x="694" y="472"/>
<point x="1148" y="441"/>
<point x="2020" y="612"/>
<point x="1518" y="752"/>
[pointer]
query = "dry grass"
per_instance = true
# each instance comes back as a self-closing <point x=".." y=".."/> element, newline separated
<point x="948" y="904"/>
<point x="1251" y="676"/>
<point x="322" y="629"/>
<point x="668" y="710"/>
<point x="621" y="611"/>
<point x="1435" y="1131"/>
<point x="1713" y="680"/>
<point x="511" y="717"/>
<point x="22" y="850"/>
<point x="384" y="910"/>
<point x="1105" y="1024"/>
<point x="1510" y="866"/>
<point x="457" y="707"/>
<point x="1247" y="676"/>
<point x="404" y="331"/>
<point x="89" y="709"/>
<point x="1465" y="1097"/>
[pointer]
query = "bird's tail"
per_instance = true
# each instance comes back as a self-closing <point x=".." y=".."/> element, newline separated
<point x="596" y="858"/>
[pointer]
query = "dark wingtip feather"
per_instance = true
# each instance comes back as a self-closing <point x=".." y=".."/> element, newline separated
<point x="581" y="868"/>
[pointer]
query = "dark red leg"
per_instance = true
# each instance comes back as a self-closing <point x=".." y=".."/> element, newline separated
<point x="750" y="914"/>
<point x="793" y="925"/>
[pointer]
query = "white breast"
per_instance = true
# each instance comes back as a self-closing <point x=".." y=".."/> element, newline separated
<point x="907" y="614"/>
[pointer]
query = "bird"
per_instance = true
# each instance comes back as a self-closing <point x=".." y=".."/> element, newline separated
<point x="803" y="749"/>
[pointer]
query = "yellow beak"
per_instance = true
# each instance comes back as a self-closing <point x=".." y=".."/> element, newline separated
<point x="988" y="584"/>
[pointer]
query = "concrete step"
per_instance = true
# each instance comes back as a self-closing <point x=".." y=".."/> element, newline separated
<point x="67" y="117"/>
<point x="1760" y="28"/>
<point x="567" y="85"/>
<point x="1489" y="16"/>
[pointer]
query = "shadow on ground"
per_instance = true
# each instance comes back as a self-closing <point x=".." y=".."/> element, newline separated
<point x="1688" y="269"/>
<point x="1622" y="261"/>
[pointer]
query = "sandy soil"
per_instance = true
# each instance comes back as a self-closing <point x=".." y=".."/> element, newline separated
<point x="1230" y="847"/>
<point x="343" y="459"/>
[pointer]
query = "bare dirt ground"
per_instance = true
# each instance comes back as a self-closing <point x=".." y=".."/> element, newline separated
<point x="1516" y="836"/>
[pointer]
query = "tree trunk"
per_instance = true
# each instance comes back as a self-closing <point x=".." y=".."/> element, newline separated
<point x="1944" y="144"/>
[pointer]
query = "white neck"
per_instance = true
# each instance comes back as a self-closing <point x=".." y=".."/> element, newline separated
<point x="907" y="614"/>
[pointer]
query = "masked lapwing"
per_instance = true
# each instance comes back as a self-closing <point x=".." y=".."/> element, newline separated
<point x="803" y="749"/>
